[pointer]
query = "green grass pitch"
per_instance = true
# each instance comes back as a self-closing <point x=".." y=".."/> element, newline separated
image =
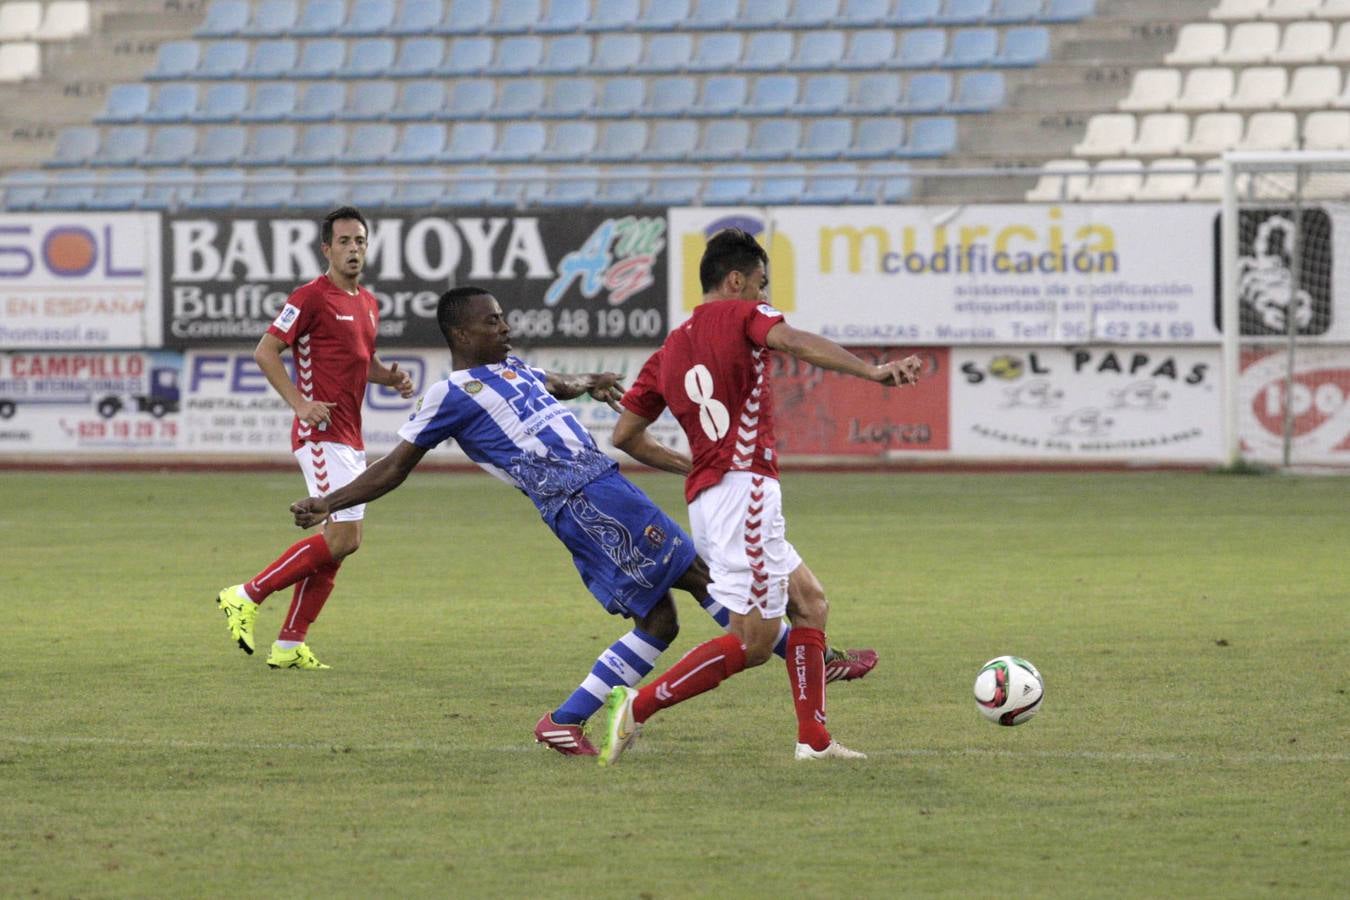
<point x="1192" y="630"/>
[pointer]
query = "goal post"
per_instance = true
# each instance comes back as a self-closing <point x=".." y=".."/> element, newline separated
<point x="1284" y="310"/>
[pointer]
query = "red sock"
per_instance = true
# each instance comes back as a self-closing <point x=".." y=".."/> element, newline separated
<point x="699" y="670"/>
<point x="301" y="559"/>
<point x="307" y="601"/>
<point x="806" y="675"/>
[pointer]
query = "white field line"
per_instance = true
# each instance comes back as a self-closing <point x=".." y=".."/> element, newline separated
<point x="1114" y="756"/>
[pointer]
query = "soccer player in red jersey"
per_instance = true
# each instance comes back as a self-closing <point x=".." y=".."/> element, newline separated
<point x="712" y="374"/>
<point x="330" y="325"/>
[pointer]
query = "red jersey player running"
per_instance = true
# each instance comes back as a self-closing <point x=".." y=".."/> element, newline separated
<point x="712" y="374"/>
<point x="330" y="326"/>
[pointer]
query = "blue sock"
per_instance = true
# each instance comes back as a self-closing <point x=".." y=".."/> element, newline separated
<point x="722" y="617"/>
<point x="626" y="661"/>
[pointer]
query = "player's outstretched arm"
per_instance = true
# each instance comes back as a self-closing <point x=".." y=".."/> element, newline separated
<point x="631" y="436"/>
<point x="381" y="478"/>
<point x="823" y="352"/>
<point x="606" y="387"/>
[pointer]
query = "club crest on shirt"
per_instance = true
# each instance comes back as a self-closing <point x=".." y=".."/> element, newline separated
<point x="654" y="534"/>
<point x="766" y="309"/>
<point x="472" y="387"/>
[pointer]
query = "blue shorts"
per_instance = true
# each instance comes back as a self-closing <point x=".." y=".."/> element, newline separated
<point x="627" y="550"/>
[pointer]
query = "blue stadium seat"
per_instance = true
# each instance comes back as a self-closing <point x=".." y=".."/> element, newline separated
<point x="320" y="188"/>
<point x="665" y="16"/>
<point x="426" y="99"/>
<point x="1068" y="10"/>
<point x="1027" y="46"/>
<point x="566" y="54"/>
<point x="218" y="145"/>
<point x="621" y="141"/>
<point x="119" y="189"/>
<point x="520" y="142"/>
<point x="467" y="56"/>
<point x="272" y="102"/>
<point x="826" y="139"/>
<point x="270" y="145"/>
<point x="622" y="96"/>
<point x="1015" y="12"/>
<point x="271" y="59"/>
<point x="971" y="48"/>
<point x="322" y="58"/>
<point x="421" y="142"/>
<point x="519" y="98"/>
<point x="926" y="92"/>
<point x="627" y="187"/>
<point x="872" y="49"/>
<point x="813" y="14"/>
<point x="222" y="102"/>
<point x="570" y="98"/>
<point x="418" y="17"/>
<point x="773" y="95"/>
<point x="723" y="95"/>
<point x="723" y="139"/>
<point x="569" y="141"/>
<point x="768" y="51"/>
<point x="781" y="185"/>
<point x="877" y="138"/>
<point x="368" y="100"/>
<point x="369" y="17"/>
<point x="273" y="18"/>
<point x="930" y="137"/>
<point x="729" y="186"/>
<point x="671" y="139"/>
<point x="515" y="16"/>
<point x="823" y="95"/>
<point x="371" y="142"/>
<point x="775" y="139"/>
<point x="714" y="15"/>
<point x="717" y="52"/>
<point x="75" y="146"/>
<point x="672" y="96"/>
<point x="863" y="14"/>
<point x="369" y="58"/>
<point x="125" y="103"/>
<point x="916" y="13"/>
<point x="216" y="189"/>
<point x="165" y="188"/>
<point x="979" y="91"/>
<point x="615" y="15"/>
<point x="123" y="145"/>
<point x="73" y="190"/>
<point x="224" y="18"/>
<point x="176" y="60"/>
<point x="470" y="142"/>
<point x="886" y="183"/>
<point x="965" y="12"/>
<point x="565" y="15"/>
<point x="875" y="93"/>
<point x="174" y="102"/>
<point x="24" y="189"/>
<point x="819" y="50"/>
<point x="373" y="188"/>
<point x="472" y="186"/>
<point x="517" y="55"/>
<point x="831" y="184"/>
<point x="617" y="53"/>
<point x="760" y="14"/>
<point x="468" y="16"/>
<point x="269" y="188"/>
<point x="320" y="102"/>
<point x="667" y="53"/>
<point x="521" y="186"/>
<point x="172" y="145"/>
<point x="922" y="48"/>
<point x="471" y="98"/>
<point x="421" y="187"/>
<point x="320" y="18"/>
<point x="675" y="186"/>
<point x="322" y="145"/>
<point x="420" y="57"/>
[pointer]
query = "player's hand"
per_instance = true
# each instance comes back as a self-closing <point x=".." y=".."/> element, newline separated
<point x="607" y="387"/>
<point x="400" y="381"/>
<point x="314" y="412"/>
<point x="901" y="371"/>
<point x="310" y="511"/>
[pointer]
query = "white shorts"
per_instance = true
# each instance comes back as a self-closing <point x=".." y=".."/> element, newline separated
<point x="327" y="467"/>
<point x="739" y="530"/>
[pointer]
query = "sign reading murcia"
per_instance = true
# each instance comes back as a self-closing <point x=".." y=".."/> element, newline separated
<point x="1092" y="403"/>
<point x="565" y="279"/>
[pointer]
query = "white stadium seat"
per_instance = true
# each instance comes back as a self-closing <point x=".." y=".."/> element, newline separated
<point x="1152" y="89"/>
<point x="1114" y="179"/>
<point x="1312" y="87"/>
<point x="1238" y="10"/>
<point x="1205" y="89"/>
<point x="64" y="20"/>
<point x="1292" y="9"/>
<point x="1270" y="131"/>
<point x="1198" y="43"/>
<point x="1160" y="134"/>
<point x="1213" y="133"/>
<point x="19" y="19"/>
<point x="1340" y="48"/>
<point x="1258" y="87"/>
<point x="20" y="61"/>
<point x="1168" y="179"/>
<point x="1250" y="43"/>
<point x="1056" y="188"/>
<point x="1327" y="130"/>
<point x="1303" y="42"/>
<point x="1107" y="134"/>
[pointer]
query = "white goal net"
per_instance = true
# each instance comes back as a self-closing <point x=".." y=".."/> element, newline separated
<point x="1285" y="284"/>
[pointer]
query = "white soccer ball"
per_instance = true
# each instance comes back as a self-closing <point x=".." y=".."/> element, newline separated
<point x="1009" y="690"/>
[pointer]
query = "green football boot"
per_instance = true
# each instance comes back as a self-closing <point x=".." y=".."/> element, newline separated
<point x="240" y="612"/>
<point x="299" y="657"/>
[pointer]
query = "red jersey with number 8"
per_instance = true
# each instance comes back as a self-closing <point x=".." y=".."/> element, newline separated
<point x="713" y="374"/>
<point x="332" y="336"/>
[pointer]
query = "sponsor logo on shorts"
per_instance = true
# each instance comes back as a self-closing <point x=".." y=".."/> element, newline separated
<point x="654" y="534"/>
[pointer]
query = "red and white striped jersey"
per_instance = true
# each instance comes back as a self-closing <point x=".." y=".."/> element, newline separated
<point x="332" y="336"/>
<point x="712" y="372"/>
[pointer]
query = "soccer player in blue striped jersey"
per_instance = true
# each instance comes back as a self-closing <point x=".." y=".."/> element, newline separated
<point x="507" y="418"/>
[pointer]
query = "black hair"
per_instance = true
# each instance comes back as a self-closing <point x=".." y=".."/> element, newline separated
<point x="452" y="304"/>
<point x="342" y="212"/>
<point x="730" y="250"/>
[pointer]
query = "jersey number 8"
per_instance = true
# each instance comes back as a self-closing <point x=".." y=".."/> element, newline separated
<point x="712" y="413"/>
